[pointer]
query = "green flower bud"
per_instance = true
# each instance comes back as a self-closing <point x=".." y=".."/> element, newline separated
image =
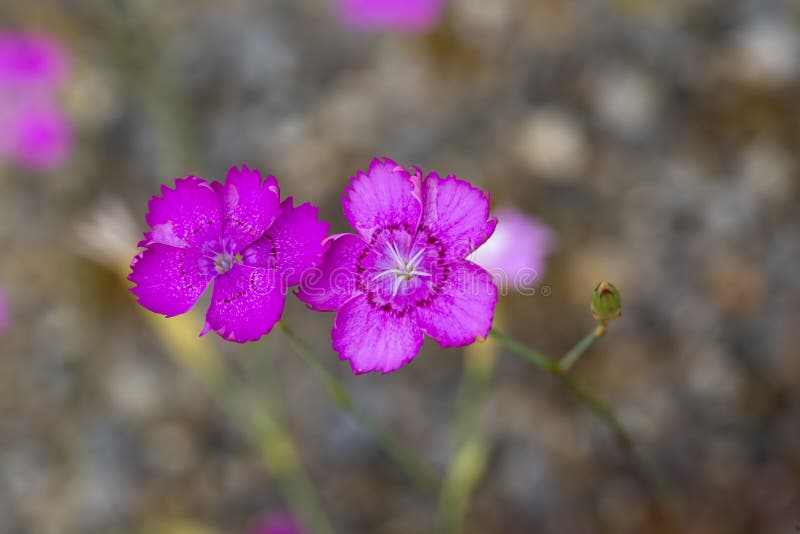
<point x="606" y="302"/>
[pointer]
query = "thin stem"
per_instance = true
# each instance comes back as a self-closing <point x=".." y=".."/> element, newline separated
<point x="661" y="490"/>
<point x="403" y="455"/>
<point x="583" y="345"/>
<point x="523" y="350"/>
<point x="254" y="416"/>
<point x="468" y="462"/>
<point x="645" y="465"/>
<point x="279" y="454"/>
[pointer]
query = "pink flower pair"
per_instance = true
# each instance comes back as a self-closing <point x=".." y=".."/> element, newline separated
<point x="402" y="275"/>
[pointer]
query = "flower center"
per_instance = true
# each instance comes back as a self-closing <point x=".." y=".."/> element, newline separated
<point x="402" y="267"/>
<point x="224" y="261"/>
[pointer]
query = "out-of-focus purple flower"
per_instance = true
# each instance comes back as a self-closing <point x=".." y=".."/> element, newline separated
<point x="39" y="135"/>
<point x="34" y="131"/>
<point x="516" y="252"/>
<point x="401" y="15"/>
<point x="277" y="524"/>
<point x="238" y="235"/>
<point x="31" y="60"/>
<point x="405" y="274"/>
<point x="3" y="312"/>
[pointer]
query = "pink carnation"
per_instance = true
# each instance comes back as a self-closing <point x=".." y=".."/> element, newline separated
<point x="238" y="235"/>
<point x="403" y="274"/>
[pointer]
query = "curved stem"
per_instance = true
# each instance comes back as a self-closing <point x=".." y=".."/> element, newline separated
<point x="253" y="416"/>
<point x="468" y="462"/>
<point x="583" y="345"/>
<point x="419" y="471"/>
<point x="647" y="469"/>
<point x="525" y="351"/>
<point x="662" y="492"/>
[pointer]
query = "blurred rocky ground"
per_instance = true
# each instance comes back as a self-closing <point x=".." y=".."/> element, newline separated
<point x="659" y="140"/>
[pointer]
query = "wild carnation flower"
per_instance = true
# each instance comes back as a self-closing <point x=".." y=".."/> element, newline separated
<point x="403" y="15"/>
<point x="405" y="274"/>
<point x="34" y="131"/>
<point x="516" y="252"/>
<point x="237" y="234"/>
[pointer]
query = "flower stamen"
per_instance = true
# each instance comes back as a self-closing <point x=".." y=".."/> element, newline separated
<point x="403" y="269"/>
<point x="224" y="262"/>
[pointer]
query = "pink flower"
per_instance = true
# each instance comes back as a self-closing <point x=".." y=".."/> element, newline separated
<point x="516" y="252"/>
<point x="3" y="312"/>
<point x="405" y="274"/>
<point x="238" y="235"/>
<point x="402" y="15"/>
<point x="31" y="60"/>
<point x="39" y="135"/>
<point x="34" y="131"/>
<point x="277" y="524"/>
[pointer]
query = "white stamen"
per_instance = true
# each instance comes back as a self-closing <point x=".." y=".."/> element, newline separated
<point x="396" y="286"/>
<point x="412" y="263"/>
<point x="403" y="270"/>
<point x="395" y="253"/>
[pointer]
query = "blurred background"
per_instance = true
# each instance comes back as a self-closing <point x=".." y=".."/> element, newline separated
<point x="657" y="140"/>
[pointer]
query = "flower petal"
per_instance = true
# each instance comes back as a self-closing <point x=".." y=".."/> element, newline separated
<point x="516" y="252"/>
<point x="464" y="310"/>
<point x="250" y="205"/>
<point x="168" y="280"/>
<point x="457" y="213"/>
<point x="335" y="282"/>
<point x="246" y="303"/>
<point x="374" y="340"/>
<point x="292" y="245"/>
<point x="386" y="195"/>
<point x="186" y="216"/>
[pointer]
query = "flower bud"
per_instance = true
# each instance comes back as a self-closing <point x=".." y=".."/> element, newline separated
<point x="606" y="302"/>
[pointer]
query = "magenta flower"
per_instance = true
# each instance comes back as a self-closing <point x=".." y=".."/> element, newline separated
<point x="240" y="236"/>
<point x="38" y="135"/>
<point x="30" y="60"/>
<point x="516" y="252"/>
<point x="3" y="312"/>
<point x="34" y="131"/>
<point x="277" y="524"/>
<point x="402" y="15"/>
<point x="405" y="273"/>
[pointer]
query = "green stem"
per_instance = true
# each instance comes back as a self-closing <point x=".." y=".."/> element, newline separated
<point x="468" y="463"/>
<point x="523" y="350"/>
<point x="648" y="470"/>
<point x="583" y="345"/>
<point x="267" y="432"/>
<point x="662" y="492"/>
<point x="253" y="416"/>
<point x="403" y="455"/>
